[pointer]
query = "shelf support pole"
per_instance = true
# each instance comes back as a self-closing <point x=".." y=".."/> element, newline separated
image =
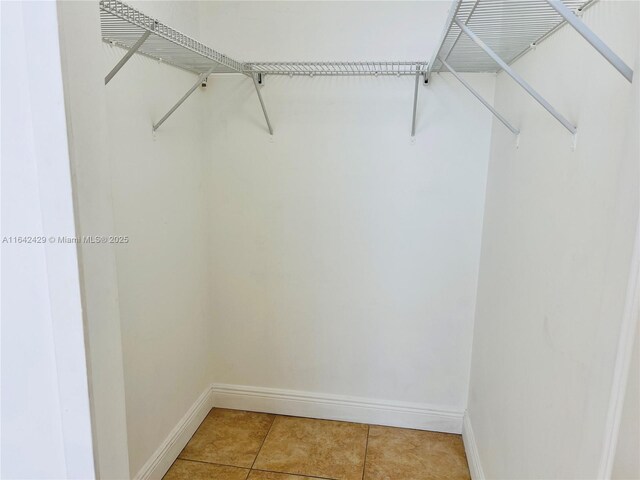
<point x="264" y="110"/>
<point x="415" y="101"/>
<point x="592" y="38"/>
<point x="528" y="88"/>
<point x="126" y="57"/>
<point x="504" y="121"/>
<point x="201" y="78"/>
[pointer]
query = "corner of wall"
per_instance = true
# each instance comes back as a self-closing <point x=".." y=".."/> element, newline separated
<point x="471" y="449"/>
<point x="85" y="106"/>
<point x="624" y="357"/>
<point x="166" y="453"/>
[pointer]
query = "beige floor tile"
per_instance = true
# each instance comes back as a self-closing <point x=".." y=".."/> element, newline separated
<point x="186" y="470"/>
<point x="260" y="475"/>
<point x="311" y="447"/>
<point x="402" y="454"/>
<point x="228" y="437"/>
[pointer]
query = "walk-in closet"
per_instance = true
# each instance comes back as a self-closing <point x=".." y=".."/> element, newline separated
<point x="340" y="240"/>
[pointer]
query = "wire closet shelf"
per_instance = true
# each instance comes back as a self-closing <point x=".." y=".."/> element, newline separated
<point x="509" y="27"/>
<point x="126" y="27"/>
<point x="337" y="68"/>
<point x="479" y="36"/>
<point x="489" y="35"/>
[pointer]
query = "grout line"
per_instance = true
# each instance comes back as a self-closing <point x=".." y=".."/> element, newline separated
<point x="213" y="463"/>
<point x="318" y="419"/>
<point x="275" y="416"/>
<point x="263" y="440"/>
<point x="179" y="457"/>
<point x="172" y="465"/>
<point x="276" y="471"/>
<point x="339" y="421"/>
<point x="366" y="448"/>
<point x="294" y="474"/>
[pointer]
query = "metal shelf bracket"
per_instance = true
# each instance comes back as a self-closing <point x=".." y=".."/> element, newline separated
<point x="592" y="38"/>
<point x="127" y="56"/>
<point x="264" y="110"/>
<point x="504" y="121"/>
<point x="415" y="101"/>
<point x="528" y="88"/>
<point x="201" y="78"/>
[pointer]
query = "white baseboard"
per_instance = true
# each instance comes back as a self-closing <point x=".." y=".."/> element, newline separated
<point x="337" y="407"/>
<point x="471" y="449"/>
<point x="168" y="451"/>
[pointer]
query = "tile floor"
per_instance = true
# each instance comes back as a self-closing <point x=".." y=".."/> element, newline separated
<point x="239" y="445"/>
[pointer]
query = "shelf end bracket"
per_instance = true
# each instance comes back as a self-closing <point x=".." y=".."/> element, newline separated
<point x="264" y="109"/>
<point x="518" y="79"/>
<point x="201" y="78"/>
<point x="127" y="56"/>
<point x="504" y="121"/>
<point x="592" y="38"/>
<point x="415" y="101"/>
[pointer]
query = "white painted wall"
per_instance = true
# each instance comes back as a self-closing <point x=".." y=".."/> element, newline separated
<point x="45" y="420"/>
<point x="91" y="175"/>
<point x="322" y="31"/>
<point x="146" y="301"/>
<point x="344" y="258"/>
<point x="159" y="202"/>
<point x="183" y="327"/>
<point x="336" y="257"/>
<point x="556" y="250"/>
<point x="626" y="464"/>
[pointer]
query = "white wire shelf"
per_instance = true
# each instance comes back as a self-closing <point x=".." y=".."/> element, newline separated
<point x="337" y="68"/>
<point x="489" y="35"/>
<point x="509" y="27"/>
<point x="124" y="26"/>
<point x="136" y="32"/>
<point x="480" y="36"/>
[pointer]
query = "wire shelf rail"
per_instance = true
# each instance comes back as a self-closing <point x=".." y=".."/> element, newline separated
<point x="337" y="68"/>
